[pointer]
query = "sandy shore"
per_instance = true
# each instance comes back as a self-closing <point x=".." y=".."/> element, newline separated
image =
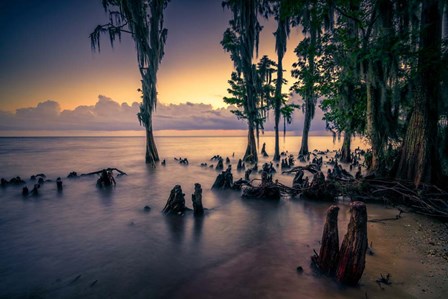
<point x="414" y="250"/>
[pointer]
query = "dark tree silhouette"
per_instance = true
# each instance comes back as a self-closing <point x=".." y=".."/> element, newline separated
<point x="143" y="19"/>
<point x="240" y="40"/>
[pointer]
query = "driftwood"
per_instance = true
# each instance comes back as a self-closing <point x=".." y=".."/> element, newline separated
<point x="384" y="280"/>
<point x="196" y="198"/>
<point x="175" y="204"/>
<point x="328" y="257"/>
<point x="297" y="182"/>
<point x="425" y="199"/>
<point x="120" y="172"/>
<point x="267" y="189"/>
<point x="353" y="250"/>
<point x="72" y="175"/>
<point x="106" y="179"/>
<point x="313" y="168"/>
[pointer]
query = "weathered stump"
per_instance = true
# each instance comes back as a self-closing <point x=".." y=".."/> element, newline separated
<point x="240" y="165"/>
<point x="176" y="202"/>
<point x="269" y="191"/>
<point x="327" y="261"/>
<point x="352" y="255"/>
<point x="297" y="182"/>
<point x="4" y="182"/>
<point x="196" y="198"/>
<point x="224" y="180"/>
<point x="266" y="178"/>
<point x="247" y="174"/>
<point x="220" y="165"/>
<point x="263" y="150"/>
<point x="59" y="184"/>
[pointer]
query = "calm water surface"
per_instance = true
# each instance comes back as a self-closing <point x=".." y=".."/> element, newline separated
<point x="91" y="243"/>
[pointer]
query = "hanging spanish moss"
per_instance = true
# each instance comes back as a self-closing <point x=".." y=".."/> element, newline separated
<point x="144" y="21"/>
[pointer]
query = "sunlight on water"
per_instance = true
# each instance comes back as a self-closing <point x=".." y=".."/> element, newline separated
<point x="87" y="242"/>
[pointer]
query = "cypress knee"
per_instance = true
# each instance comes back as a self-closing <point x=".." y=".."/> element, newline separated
<point x="352" y="255"/>
<point x="176" y="202"/>
<point x="327" y="261"/>
<point x="197" y="200"/>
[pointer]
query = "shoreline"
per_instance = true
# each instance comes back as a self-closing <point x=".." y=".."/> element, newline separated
<point x="418" y="261"/>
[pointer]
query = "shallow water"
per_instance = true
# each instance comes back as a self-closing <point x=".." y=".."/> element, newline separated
<point x="91" y="243"/>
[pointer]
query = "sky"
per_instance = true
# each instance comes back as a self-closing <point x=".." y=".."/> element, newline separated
<point x="51" y="80"/>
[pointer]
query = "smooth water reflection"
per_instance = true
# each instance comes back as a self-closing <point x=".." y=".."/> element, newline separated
<point x="91" y="243"/>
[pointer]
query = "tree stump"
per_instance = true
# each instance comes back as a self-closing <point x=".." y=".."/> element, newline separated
<point x="224" y="180"/>
<point x="176" y="202"/>
<point x="327" y="261"/>
<point x="59" y="184"/>
<point x="196" y="198"/>
<point x="240" y="165"/>
<point x="297" y="182"/>
<point x="247" y="174"/>
<point x="263" y="151"/>
<point x="352" y="255"/>
<point x="220" y="165"/>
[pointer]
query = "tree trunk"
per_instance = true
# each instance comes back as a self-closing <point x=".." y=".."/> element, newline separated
<point x="196" y="198"/>
<point x="277" y="140"/>
<point x="176" y="202"/>
<point x="345" y="151"/>
<point x="309" y="95"/>
<point x="251" y="150"/>
<point x="419" y="160"/>
<point x="327" y="261"/>
<point x="372" y="126"/>
<point x="352" y="255"/>
<point x="306" y="128"/>
<point x="151" y="150"/>
<point x="278" y="102"/>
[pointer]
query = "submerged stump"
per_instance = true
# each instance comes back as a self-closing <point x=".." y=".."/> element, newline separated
<point x="196" y="198"/>
<point x="267" y="189"/>
<point x="224" y="180"/>
<point x="352" y="255"/>
<point x="327" y="261"/>
<point x="176" y="202"/>
<point x="220" y="165"/>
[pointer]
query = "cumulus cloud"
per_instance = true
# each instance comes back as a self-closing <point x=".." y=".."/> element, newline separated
<point x="109" y="115"/>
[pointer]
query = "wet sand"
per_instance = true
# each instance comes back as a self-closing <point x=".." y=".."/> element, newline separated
<point x="418" y="259"/>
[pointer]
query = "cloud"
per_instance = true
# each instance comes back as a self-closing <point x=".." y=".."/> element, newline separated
<point x="109" y="115"/>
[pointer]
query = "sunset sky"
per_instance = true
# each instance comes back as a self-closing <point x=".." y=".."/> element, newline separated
<point x="45" y="55"/>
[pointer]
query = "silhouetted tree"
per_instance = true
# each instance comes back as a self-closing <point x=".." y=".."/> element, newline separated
<point x="143" y="19"/>
<point x="281" y="39"/>
<point x="240" y="40"/>
<point x="313" y="16"/>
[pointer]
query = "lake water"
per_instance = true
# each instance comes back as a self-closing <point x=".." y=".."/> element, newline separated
<point x="92" y="243"/>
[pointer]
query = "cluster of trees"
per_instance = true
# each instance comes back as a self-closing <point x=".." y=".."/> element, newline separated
<point x="379" y="68"/>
